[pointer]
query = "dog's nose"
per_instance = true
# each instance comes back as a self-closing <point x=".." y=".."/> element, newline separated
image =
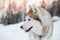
<point x="21" y="27"/>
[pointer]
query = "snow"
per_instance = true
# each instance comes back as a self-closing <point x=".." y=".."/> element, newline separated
<point x="56" y="31"/>
<point x="56" y="18"/>
<point x="13" y="32"/>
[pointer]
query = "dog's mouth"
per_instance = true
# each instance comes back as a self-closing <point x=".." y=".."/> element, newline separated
<point x="29" y="29"/>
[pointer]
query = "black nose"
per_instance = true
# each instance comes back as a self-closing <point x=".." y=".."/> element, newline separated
<point x="21" y="27"/>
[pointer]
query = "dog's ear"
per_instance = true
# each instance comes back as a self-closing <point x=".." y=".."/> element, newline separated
<point x="32" y="8"/>
<point x="38" y="10"/>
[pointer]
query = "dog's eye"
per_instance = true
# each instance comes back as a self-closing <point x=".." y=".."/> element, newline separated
<point x="29" y="19"/>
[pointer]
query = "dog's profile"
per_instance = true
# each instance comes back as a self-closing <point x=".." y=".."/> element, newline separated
<point x="38" y="23"/>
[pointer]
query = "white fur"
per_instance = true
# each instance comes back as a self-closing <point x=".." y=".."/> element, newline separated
<point x="43" y="29"/>
<point x="37" y="27"/>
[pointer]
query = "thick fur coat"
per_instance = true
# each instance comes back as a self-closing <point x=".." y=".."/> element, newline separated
<point x="38" y="23"/>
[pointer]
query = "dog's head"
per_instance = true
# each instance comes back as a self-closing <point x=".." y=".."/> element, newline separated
<point x="32" y="23"/>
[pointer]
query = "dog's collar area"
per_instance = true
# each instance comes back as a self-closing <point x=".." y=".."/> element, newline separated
<point x="29" y="29"/>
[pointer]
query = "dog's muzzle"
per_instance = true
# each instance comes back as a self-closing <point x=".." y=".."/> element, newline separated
<point x="27" y="29"/>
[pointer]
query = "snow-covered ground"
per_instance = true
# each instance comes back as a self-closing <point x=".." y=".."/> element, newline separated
<point x="56" y="18"/>
<point x="56" y="30"/>
<point x="13" y="32"/>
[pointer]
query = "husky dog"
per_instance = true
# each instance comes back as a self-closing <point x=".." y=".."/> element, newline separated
<point x="38" y="24"/>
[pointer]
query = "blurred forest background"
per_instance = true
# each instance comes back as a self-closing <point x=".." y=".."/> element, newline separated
<point x="13" y="11"/>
